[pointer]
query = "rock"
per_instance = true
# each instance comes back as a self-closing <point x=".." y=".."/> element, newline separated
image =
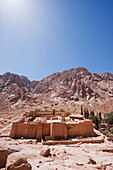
<point x="20" y="164"/>
<point x="3" y="157"/>
<point x="45" y="152"/>
<point x="91" y="161"/>
<point x="110" y="139"/>
<point x="107" y="167"/>
<point x="64" y="151"/>
<point x="76" y="99"/>
<point x="14" y="98"/>
<point x="79" y="164"/>
<point x="30" y="142"/>
<point x="54" y="154"/>
<point x="108" y="150"/>
<point x="10" y="150"/>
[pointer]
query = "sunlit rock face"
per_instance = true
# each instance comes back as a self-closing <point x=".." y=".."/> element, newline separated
<point x="72" y="88"/>
<point x="77" y="84"/>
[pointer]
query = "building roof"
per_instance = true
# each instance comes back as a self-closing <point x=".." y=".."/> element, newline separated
<point x="51" y="121"/>
<point x="76" y="116"/>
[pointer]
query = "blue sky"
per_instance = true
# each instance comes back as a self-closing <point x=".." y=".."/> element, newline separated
<point x="40" y="37"/>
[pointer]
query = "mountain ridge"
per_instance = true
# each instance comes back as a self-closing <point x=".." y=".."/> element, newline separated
<point x="76" y="86"/>
<point x="78" y="68"/>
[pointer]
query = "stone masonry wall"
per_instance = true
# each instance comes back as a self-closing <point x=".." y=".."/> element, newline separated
<point x="55" y="130"/>
<point x="84" y="128"/>
<point x="58" y="131"/>
<point x="27" y="131"/>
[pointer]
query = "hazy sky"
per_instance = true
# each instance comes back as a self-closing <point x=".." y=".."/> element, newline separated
<point x="40" y="37"/>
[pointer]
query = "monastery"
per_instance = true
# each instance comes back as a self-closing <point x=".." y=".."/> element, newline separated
<point x="51" y="125"/>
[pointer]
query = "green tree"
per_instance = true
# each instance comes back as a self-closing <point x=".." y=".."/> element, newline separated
<point x="87" y="114"/>
<point x="81" y="111"/>
<point x="96" y="122"/>
<point x="100" y="117"/>
<point x="37" y="109"/>
<point x="61" y="110"/>
<point x="108" y="117"/>
<point x="92" y="113"/>
<point x="94" y="119"/>
<point x="97" y="114"/>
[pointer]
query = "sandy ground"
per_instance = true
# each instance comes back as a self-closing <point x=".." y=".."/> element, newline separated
<point x="63" y="157"/>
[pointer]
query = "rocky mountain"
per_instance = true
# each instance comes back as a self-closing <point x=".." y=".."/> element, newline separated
<point x="69" y="89"/>
<point x="77" y="84"/>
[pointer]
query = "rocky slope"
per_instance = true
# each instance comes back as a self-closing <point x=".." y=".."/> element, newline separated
<point x="69" y="90"/>
<point x="63" y="157"/>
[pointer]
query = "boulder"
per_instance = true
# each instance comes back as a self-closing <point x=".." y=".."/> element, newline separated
<point x="20" y="164"/>
<point x="45" y="152"/>
<point x="110" y="150"/>
<point x="79" y="164"/>
<point x="91" y="161"/>
<point x="10" y="151"/>
<point x="3" y="157"/>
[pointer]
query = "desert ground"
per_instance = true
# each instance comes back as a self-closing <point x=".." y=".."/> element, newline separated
<point x="62" y="157"/>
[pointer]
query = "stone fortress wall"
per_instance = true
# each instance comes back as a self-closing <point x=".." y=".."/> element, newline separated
<point x="51" y="130"/>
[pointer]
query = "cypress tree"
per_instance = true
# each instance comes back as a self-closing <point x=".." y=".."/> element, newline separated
<point x="87" y="114"/>
<point x="81" y="111"/>
<point x="96" y="121"/>
<point x="92" y="113"/>
<point x="100" y="117"/>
